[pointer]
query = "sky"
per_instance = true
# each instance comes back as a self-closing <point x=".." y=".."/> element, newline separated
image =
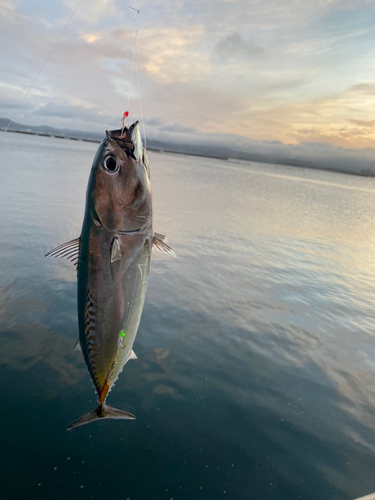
<point x="290" y="73"/>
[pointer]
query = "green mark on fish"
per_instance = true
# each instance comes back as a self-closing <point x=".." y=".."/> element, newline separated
<point x="122" y="334"/>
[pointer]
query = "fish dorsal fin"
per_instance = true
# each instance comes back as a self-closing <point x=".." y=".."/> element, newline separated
<point x="69" y="251"/>
<point x="77" y="346"/>
<point x="115" y="250"/>
<point x="159" y="243"/>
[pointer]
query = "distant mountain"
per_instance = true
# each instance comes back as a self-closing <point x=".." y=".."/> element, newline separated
<point x="190" y="149"/>
<point x="316" y="155"/>
<point x="45" y="129"/>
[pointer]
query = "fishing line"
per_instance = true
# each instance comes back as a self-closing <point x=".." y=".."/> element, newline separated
<point x="140" y="103"/>
<point x="136" y="19"/>
<point x="135" y="65"/>
<point x="48" y="56"/>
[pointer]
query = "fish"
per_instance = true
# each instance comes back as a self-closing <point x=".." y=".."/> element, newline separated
<point x="112" y="256"/>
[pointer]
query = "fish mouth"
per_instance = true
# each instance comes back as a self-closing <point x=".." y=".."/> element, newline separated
<point x="124" y="141"/>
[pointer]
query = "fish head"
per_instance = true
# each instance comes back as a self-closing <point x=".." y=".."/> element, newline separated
<point x="119" y="190"/>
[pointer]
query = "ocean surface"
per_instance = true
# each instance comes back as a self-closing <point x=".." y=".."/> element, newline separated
<point x="255" y="376"/>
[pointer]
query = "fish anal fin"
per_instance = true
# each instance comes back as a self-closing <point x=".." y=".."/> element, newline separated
<point x="69" y="251"/>
<point x="102" y="411"/>
<point x="132" y="355"/>
<point x="159" y="243"/>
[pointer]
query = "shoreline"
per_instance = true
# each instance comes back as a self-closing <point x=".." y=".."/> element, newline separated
<point x="363" y="173"/>
<point x="42" y="134"/>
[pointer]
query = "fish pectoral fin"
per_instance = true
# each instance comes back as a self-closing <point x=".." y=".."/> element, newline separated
<point x="69" y="251"/>
<point x="115" y="250"/>
<point x="116" y="257"/>
<point x="159" y="243"/>
<point x="77" y="346"/>
<point x="102" y="411"/>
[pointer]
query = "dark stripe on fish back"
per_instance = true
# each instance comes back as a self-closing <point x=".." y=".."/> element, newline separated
<point x="90" y="330"/>
<point x="90" y="323"/>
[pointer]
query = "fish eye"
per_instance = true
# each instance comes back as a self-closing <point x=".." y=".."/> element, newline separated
<point x="110" y="164"/>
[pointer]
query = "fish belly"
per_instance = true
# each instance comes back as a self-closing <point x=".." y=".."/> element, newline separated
<point x="110" y="306"/>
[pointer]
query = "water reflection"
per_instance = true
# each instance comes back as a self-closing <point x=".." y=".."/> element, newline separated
<point x="256" y="352"/>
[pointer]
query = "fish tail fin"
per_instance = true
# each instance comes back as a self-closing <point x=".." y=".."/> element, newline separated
<point x="102" y="411"/>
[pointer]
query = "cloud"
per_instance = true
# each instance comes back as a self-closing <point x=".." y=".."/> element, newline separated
<point x="69" y="112"/>
<point x="177" y="128"/>
<point x="174" y="54"/>
<point x="62" y="115"/>
<point x="13" y="104"/>
<point x="364" y="88"/>
<point x="109" y="36"/>
<point x="8" y="9"/>
<point x="154" y="122"/>
<point x="234" y="47"/>
<point x="220" y="16"/>
<point x="364" y="123"/>
<point x="95" y="11"/>
<point x="294" y="71"/>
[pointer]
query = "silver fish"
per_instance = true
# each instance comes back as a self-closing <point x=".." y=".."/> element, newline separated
<point x="112" y="257"/>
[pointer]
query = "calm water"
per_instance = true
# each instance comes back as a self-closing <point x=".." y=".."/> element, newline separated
<point x="255" y="376"/>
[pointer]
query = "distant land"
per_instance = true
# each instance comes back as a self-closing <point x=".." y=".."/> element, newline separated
<point x="205" y="150"/>
<point x="224" y="153"/>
